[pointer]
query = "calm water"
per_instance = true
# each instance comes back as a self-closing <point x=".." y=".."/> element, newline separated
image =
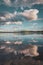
<point x="18" y="41"/>
<point x="36" y="39"/>
<point x="25" y="39"/>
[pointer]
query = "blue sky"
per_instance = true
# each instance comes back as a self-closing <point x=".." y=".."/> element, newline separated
<point x="25" y="16"/>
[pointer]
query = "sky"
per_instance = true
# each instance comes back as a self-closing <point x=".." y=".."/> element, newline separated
<point x="18" y="15"/>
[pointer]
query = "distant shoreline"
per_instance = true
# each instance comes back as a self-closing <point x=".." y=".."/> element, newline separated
<point x="26" y="32"/>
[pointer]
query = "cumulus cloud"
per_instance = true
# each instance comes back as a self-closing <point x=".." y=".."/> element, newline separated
<point x="2" y="47"/>
<point x="7" y="23"/>
<point x="8" y="2"/>
<point x="30" y="14"/>
<point x="8" y="50"/>
<point x="33" y="50"/>
<point x="8" y="42"/>
<point x="17" y="23"/>
<point x="2" y="18"/>
<point x="10" y="18"/>
<point x="22" y="2"/>
<point x="30" y="51"/>
<point x="9" y="15"/>
<point x="6" y="17"/>
<point x="18" y="42"/>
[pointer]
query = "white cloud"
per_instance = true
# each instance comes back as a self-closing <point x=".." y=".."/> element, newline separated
<point x="6" y="16"/>
<point x="9" y="15"/>
<point x="33" y="51"/>
<point x="7" y="23"/>
<point x="22" y="2"/>
<point x="18" y="42"/>
<point x="30" y="14"/>
<point x="2" y="18"/>
<point x="7" y="2"/>
<point x="17" y="23"/>
<point x="8" y="49"/>
<point x="8" y="42"/>
<point x="3" y="47"/>
<point x="30" y="51"/>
